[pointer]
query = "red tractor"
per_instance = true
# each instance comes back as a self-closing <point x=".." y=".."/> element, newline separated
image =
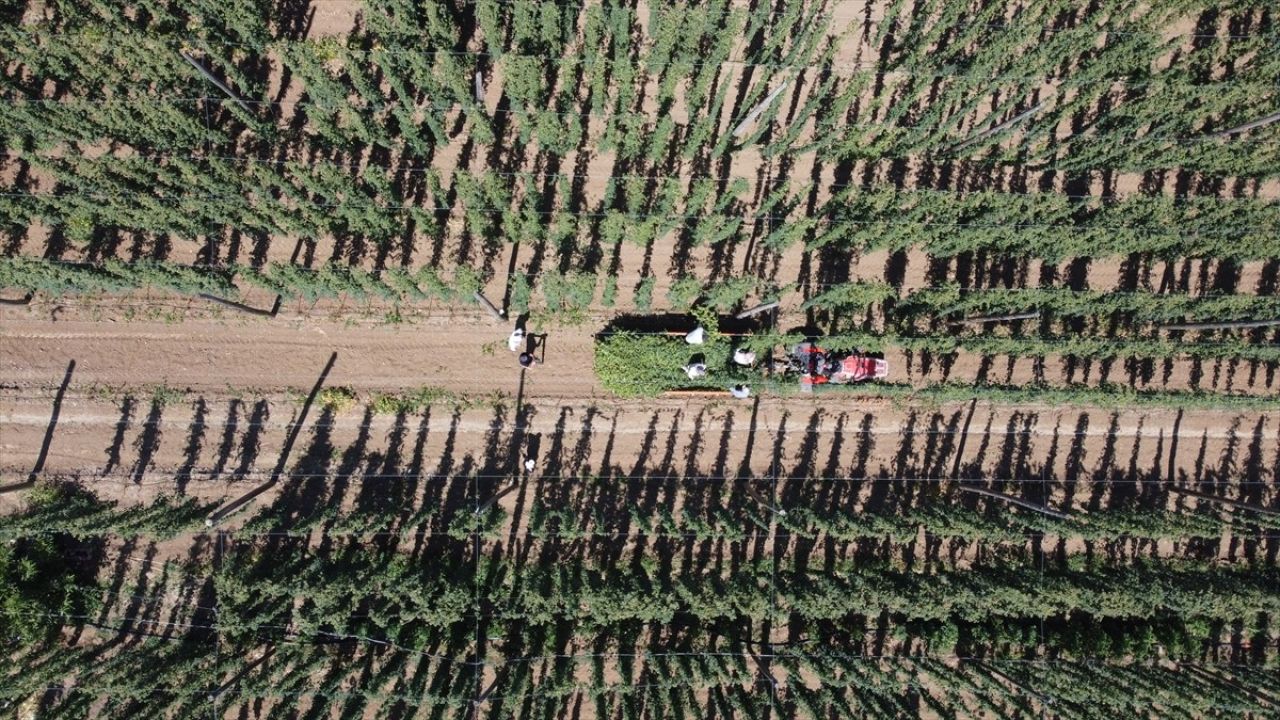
<point x="816" y="366"/>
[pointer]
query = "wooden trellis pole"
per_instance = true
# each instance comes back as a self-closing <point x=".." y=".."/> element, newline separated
<point x="755" y="495"/>
<point x="482" y="509"/>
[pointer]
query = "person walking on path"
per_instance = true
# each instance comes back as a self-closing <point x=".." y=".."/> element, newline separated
<point x="524" y="345"/>
<point x="516" y="339"/>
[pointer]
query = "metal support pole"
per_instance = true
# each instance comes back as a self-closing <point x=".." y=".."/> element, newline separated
<point x="1237" y="325"/>
<point x="1225" y="501"/>
<point x="1260" y="122"/>
<point x="493" y="309"/>
<point x="741" y="129"/>
<point x="1002" y="126"/>
<point x="1017" y="501"/>
<point x="983" y="319"/>
<point x="221" y="85"/>
<point x="275" y="308"/>
<point x="765" y="307"/>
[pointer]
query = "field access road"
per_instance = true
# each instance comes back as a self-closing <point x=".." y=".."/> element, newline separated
<point x="222" y="357"/>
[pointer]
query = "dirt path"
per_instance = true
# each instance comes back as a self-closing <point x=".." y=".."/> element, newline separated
<point x="238" y="357"/>
<point x="454" y="348"/>
<point x="205" y="407"/>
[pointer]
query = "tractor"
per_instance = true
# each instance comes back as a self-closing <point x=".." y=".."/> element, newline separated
<point x="816" y="366"/>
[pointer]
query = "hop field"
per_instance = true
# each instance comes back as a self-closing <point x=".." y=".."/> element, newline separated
<point x="264" y="453"/>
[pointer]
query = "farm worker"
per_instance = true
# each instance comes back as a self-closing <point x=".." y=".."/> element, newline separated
<point x="516" y="340"/>
<point x="527" y="360"/>
<point x="696" y="336"/>
<point x="742" y="392"/>
<point x="529" y="465"/>
<point x="695" y="370"/>
<point x="745" y="357"/>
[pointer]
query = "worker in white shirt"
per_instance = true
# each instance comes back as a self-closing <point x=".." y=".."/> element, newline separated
<point x="515" y="340"/>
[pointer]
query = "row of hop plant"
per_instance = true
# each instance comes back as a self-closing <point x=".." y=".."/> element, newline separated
<point x="385" y="217"/>
<point x="942" y="520"/>
<point x="951" y="73"/>
<point x="943" y="517"/>
<point x="1129" y="308"/>
<point x="912" y="114"/>
<point x="944" y="342"/>
<point x="1134" y="312"/>
<point x="577" y="589"/>
<point x="293" y="281"/>
<point x="1049" y="226"/>
<point x="839" y="685"/>
<point x="195" y="198"/>
<point x="555" y="296"/>
<point x="1223" y="590"/>
<point x="334" y="73"/>
<point x="1026" y="687"/>
<point x="356" y="559"/>
<point x="114" y="193"/>
<point x="940" y="303"/>
<point x="375" y="88"/>
<point x="325" y="199"/>
<point x="634" y="364"/>
<point x="67" y="510"/>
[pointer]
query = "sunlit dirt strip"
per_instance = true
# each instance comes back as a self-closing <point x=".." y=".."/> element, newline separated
<point x="236" y="358"/>
<point x="350" y="421"/>
<point x="231" y="358"/>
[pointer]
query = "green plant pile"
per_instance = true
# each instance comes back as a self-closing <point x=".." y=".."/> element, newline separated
<point x="633" y="364"/>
